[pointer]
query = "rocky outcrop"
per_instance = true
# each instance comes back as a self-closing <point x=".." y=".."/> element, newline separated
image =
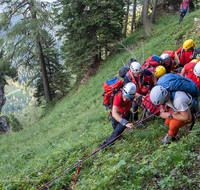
<point x="4" y="126"/>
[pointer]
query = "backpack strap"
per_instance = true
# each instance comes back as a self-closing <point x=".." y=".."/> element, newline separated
<point x="120" y="93"/>
<point x="182" y="51"/>
<point x="194" y="51"/>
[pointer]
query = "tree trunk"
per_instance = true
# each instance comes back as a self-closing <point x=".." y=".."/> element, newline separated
<point x="153" y="15"/>
<point x="106" y="49"/>
<point x="126" y="19"/>
<point x="146" y="22"/>
<point x="95" y="59"/>
<point x="47" y="90"/>
<point x="4" y="126"/>
<point x="133" y="16"/>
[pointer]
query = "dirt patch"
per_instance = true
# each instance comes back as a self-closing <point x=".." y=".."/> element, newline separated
<point x="180" y="39"/>
<point x="90" y="71"/>
<point x="133" y="46"/>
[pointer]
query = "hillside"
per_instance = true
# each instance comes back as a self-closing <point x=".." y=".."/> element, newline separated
<point x="76" y="126"/>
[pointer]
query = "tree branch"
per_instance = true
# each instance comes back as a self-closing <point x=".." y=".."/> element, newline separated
<point x="126" y="49"/>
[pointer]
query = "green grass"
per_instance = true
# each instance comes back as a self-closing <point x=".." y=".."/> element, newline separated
<point x="75" y="126"/>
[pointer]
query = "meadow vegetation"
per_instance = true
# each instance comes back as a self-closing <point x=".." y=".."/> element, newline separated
<point x="75" y="126"/>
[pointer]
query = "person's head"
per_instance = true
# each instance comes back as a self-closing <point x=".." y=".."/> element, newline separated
<point x="160" y="71"/>
<point x="129" y="91"/>
<point x="159" y="95"/>
<point x="165" y="59"/>
<point x="188" y="45"/>
<point x="197" y="69"/>
<point x="136" y="68"/>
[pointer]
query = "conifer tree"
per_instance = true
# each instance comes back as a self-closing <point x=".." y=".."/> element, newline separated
<point x="89" y="26"/>
<point x="25" y="23"/>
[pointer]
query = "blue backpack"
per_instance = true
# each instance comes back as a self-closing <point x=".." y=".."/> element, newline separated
<point x="173" y="82"/>
<point x="184" y="6"/>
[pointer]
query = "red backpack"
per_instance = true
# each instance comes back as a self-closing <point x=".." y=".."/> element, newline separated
<point x="150" y="106"/>
<point x="171" y="53"/>
<point x="152" y="62"/>
<point x="111" y="87"/>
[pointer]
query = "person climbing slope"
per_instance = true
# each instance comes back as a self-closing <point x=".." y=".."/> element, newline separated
<point x="187" y="53"/>
<point x="167" y="62"/>
<point x="121" y="110"/>
<point x="143" y="79"/>
<point x="182" y="103"/>
<point x="192" y="71"/>
<point x="184" y="8"/>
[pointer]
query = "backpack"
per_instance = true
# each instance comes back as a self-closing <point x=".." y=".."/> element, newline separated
<point x="197" y="53"/>
<point x="125" y="68"/>
<point x="173" y="82"/>
<point x="150" y="106"/>
<point x="171" y="53"/>
<point x="184" y="6"/>
<point x="111" y="87"/>
<point x="152" y="62"/>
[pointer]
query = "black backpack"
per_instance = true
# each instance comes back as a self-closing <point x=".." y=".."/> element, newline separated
<point x="197" y="53"/>
<point x="125" y="68"/>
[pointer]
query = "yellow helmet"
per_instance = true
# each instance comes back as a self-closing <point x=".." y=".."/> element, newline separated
<point x="160" y="71"/>
<point x="194" y="60"/>
<point x="188" y="44"/>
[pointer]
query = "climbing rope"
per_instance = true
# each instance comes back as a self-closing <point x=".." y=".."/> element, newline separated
<point x="93" y="153"/>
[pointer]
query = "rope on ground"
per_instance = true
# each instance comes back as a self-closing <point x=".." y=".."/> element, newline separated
<point x="93" y="153"/>
<point x="78" y="171"/>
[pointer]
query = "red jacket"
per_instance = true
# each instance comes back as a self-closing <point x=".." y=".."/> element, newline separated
<point x="144" y="82"/>
<point x="189" y="73"/>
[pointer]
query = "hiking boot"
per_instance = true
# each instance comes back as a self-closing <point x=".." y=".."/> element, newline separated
<point x="173" y="139"/>
<point x="166" y="141"/>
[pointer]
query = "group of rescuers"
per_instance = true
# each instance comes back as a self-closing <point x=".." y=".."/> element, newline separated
<point x="179" y="113"/>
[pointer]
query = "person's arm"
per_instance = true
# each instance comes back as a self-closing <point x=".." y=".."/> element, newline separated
<point x="154" y="78"/>
<point x="177" y="57"/>
<point x="182" y="71"/>
<point x="181" y="116"/>
<point x="117" y="117"/>
<point x="162" y="108"/>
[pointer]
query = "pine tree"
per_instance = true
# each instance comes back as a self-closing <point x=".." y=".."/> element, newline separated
<point x="25" y="23"/>
<point x="88" y="26"/>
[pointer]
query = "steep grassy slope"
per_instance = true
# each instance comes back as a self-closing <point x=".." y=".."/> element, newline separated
<point x="77" y="125"/>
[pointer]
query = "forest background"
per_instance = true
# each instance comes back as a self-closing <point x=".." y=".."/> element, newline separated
<point x="60" y="79"/>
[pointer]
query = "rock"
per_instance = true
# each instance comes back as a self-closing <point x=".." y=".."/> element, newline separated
<point x="4" y="127"/>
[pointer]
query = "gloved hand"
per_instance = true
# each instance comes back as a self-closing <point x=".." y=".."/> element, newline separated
<point x="187" y="13"/>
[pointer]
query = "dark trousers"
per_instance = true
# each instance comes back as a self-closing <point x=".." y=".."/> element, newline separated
<point x="118" y="129"/>
<point x="135" y="111"/>
<point x="182" y="14"/>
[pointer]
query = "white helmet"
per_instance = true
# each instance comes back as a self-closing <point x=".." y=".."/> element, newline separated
<point x="129" y="90"/>
<point x="158" y="94"/>
<point x="165" y="57"/>
<point x="197" y="69"/>
<point x="135" y="67"/>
